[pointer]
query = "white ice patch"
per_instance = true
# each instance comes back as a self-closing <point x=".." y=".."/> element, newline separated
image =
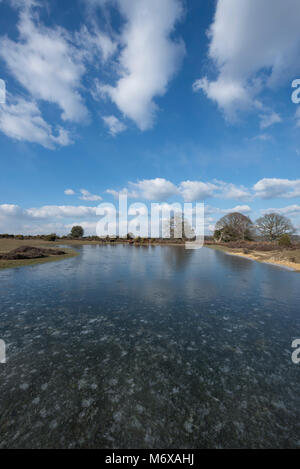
<point x="2" y="347"/>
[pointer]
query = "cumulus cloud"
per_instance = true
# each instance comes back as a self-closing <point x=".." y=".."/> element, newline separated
<point x="160" y="189"/>
<point x="231" y="191"/>
<point x="88" y="226"/>
<point x="22" y="120"/>
<point x="254" y="45"/>
<point x="149" y="57"/>
<point x="46" y="64"/>
<point x="86" y="195"/>
<point x="69" y="192"/>
<point x="51" y="63"/>
<point x="60" y="211"/>
<point x="114" y="125"/>
<point x="155" y="189"/>
<point x="45" y="219"/>
<point x="196" y="190"/>
<point x="10" y="210"/>
<point x="269" y="188"/>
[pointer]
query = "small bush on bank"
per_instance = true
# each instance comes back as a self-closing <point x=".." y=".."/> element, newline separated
<point x="285" y="241"/>
<point x="51" y="237"/>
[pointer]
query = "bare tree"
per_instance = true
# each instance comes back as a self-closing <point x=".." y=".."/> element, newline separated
<point x="178" y="227"/>
<point x="273" y="225"/>
<point x="234" y="226"/>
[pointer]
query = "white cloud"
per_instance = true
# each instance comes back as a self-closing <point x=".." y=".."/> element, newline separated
<point x="88" y="226"/>
<point x="149" y="57"/>
<point x="69" y="192"/>
<point x="114" y="125"/>
<point x="22" y="120"/>
<point x="155" y="189"/>
<point x="238" y="208"/>
<point x="290" y="210"/>
<point x="269" y="188"/>
<point x="231" y="191"/>
<point x="228" y="94"/>
<point x="45" y="219"/>
<point x="254" y="44"/>
<point x="10" y="210"/>
<point x="262" y="137"/>
<point x="125" y="191"/>
<point x="46" y="64"/>
<point x="160" y="189"/>
<point x="86" y="195"/>
<point x="196" y="190"/>
<point x="60" y="211"/>
<point x="266" y="120"/>
<point x="95" y="44"/>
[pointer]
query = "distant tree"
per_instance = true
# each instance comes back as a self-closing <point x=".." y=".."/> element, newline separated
<point x="178" y="227"/>
<point x="77" y="232"/>
<point x="234" y="226"/>
<point x="273" y="225"/>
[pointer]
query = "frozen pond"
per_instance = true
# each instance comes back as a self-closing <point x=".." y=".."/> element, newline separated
<point x="149" y="347"/>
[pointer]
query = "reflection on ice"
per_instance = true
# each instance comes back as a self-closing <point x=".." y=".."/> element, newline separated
<point x="123" y="347"/>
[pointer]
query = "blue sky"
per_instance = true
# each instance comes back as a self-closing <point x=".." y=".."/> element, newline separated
<point x="167" y="101"/>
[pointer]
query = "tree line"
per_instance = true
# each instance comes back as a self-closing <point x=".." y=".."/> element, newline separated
<point x="270" y="227"/>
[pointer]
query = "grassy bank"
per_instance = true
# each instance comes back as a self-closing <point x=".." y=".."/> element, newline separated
<point x="283" y="257"/>
<point x="7" y="245"/>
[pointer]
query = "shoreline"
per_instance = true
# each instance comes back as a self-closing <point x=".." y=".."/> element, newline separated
<point x="263" y="257"/>
<point x="276" y="258"/>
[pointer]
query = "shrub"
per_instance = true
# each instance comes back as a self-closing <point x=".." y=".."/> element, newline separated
<point x="51" y="237"/>
<point x="284" y="241"/>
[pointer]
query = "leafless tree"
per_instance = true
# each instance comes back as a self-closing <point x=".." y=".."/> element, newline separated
<point x="273" y="225"/>
<point x="178" y="227"/>
<point x="234" y="226"/>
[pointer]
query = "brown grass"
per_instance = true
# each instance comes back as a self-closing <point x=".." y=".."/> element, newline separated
<point x="255" y="245"/>
<point x="7" y="245"/>
<point x="263" y="252"/>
